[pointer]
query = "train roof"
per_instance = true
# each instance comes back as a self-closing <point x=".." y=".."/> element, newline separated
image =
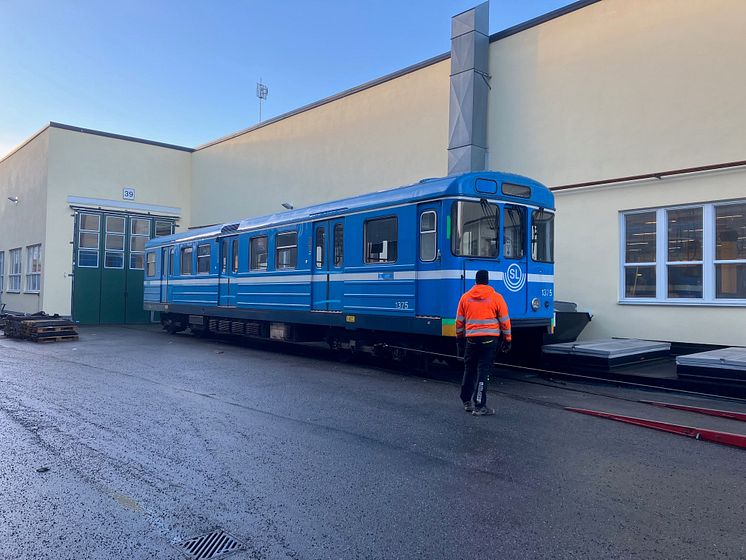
<point x="424" y="190"/>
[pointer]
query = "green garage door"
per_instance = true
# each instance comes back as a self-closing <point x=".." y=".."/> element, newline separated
<point x="108" y="263"/>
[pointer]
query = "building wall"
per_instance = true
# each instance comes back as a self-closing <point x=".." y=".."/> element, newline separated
<point x="619" y="88"/>
<point x="589" y="256"/>
<point x="92" y="166"/>
<point x="391" y="134"/>
<point x="23" y="174"/>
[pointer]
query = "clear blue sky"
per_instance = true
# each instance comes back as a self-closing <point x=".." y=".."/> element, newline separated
<point x="184" y="72"/>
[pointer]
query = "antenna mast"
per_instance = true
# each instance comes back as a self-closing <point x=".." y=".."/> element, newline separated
<point x="261" y="92"/>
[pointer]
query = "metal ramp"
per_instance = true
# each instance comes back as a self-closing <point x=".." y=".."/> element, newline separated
<point x="607" y="352"/>
<point x="724" y="364"/>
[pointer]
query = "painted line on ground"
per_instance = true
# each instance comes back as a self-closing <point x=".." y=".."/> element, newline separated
<point x="740" y="416"/>
<point x="713" y="436"/>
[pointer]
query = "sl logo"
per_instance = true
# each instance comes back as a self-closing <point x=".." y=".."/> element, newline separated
<point x="514" y="278"/>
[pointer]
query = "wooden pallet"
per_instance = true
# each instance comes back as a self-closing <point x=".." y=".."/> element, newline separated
<point x="63" y="338"/>
<point x="40" y="328"/>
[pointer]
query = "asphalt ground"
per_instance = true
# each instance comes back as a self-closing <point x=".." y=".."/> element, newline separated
<point x="151" y="439"/>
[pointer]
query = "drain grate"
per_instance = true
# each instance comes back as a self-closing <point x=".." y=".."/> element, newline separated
<point x="211" y="545"/>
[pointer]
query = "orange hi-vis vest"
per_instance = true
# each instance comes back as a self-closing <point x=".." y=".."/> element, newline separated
<point x="483" y="312"/>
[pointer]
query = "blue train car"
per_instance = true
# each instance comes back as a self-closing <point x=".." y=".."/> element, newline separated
<point x="386" y="267"/>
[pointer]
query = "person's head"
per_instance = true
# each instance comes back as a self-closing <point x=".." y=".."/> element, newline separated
<point x="483" y="277"/>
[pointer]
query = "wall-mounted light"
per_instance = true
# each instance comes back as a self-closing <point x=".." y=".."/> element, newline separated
<point x="13" y="199"/>
<point x="287" y="206"/>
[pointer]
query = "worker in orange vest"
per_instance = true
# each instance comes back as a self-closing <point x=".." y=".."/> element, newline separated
<point x="482" y="324"/>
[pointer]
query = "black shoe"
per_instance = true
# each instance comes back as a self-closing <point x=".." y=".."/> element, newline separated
<point x="468" y="406"/>
<point x="483" y="411"/>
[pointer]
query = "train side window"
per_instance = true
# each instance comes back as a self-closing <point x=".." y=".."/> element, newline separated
<point x="258" y="253"/>
<point x="381" y="240"/>
<point x="186" y="260"/>
<point x="171" y="258"/>
<point x="234" y="252"/>
<point x="542" y="236"/>
<point x="513" y="232"/>
<point x="428" y="236"/>
<point x="203" y="259"/>
<point x="320" y="246"/>
<point x="339" y="245"/>
<point x="150" y="264"/>
<point x="286" y="250"/>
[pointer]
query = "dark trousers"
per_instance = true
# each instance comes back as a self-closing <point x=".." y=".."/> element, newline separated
<point x="478" y="358"/>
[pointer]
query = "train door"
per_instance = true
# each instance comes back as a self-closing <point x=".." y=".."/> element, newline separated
<point x="165" y="270"/>
<point x="228" y="269"/>
<point x="428" y="297"/>
<point x="515" y="255"/>
<point x="328" y="265"/>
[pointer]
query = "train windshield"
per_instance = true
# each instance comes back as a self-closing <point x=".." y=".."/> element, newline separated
<point x="542" y="236"/>
<point x="474" y="229"/>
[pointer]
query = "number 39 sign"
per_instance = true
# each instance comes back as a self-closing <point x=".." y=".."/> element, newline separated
<point x="128" y="193"/>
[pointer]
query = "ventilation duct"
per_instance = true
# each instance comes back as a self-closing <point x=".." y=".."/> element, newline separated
<point x="467" y="118"/>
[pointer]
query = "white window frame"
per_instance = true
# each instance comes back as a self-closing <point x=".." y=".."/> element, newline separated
<point x="133" y="236"/>
<point x="661" y="253"/>
<point x="33" y="276"/>
<point x="14" y="272"/>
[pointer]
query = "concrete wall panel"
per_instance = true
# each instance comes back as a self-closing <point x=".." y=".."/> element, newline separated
<point x="388" y="135"/>
<point x="24" y="175"/>
<point x="620" y="87"/>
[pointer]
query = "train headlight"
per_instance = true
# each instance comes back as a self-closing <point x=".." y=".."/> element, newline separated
<point x="535" y="304"/>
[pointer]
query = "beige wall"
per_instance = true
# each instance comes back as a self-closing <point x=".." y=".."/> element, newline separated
<point x="624" y="87"/>
<point x="588" y="260"/>
<point x="618" y="88"/>
<point x="93" y="166"/>
<point x="24" y="175"/>
<point x="391" y="134"/>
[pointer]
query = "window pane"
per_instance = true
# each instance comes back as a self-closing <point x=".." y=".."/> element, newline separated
<point x="639" y="281"/>
<point x="487" y="186"/>
<point x="474" y="228"/>
<point x="114" y="224"/>
<point x="151" y="264"/>
<point x="88" y="259"/>
<point x="381" y="243"/>
<point x="428" y="236"/>
<point x="137" y="243"/>
<point x="163" y="228"/>
<point x="136" y="261"/>
<point x="685" y="281"/>
<point x="186" y="260"/>
<point x="114" y="260"/>
<point x="730" y="225"/>
<point x="639" y="237"/>
<point x="320" y="246"/>
<point x="542" y="236"/>
<point x="115" y="242"/>
<point x="513" y="233"/>
<point x="685" y="235"/>
<point x="203" y="259"/>
<point x="88" y="240"/>
<point x="90" y="222"/>
<point x="140" y="227"/>
<point x="516" y="190"/>
<point x="338" y="245"/>
<point x="258" y="252"/>
<point x="286" y="249"/>
<point x="235" y="255"/>
<point x="730" y="281"/>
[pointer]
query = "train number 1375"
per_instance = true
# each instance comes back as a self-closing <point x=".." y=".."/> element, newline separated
<point x="547" y="292"/>
<point x="402" y="305"/>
